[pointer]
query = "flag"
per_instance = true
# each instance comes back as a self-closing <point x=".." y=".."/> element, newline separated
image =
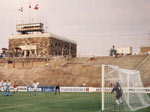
<point x="36" y="7"/>
<point x="21" y="9"/>
<point x="30" y="6"/>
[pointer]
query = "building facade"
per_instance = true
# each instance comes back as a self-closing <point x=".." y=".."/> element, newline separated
<point x="42" y="44"/>
<point x="145" y="50"/>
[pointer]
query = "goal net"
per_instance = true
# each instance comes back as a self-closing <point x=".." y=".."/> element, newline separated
<point x="122" y="89"/>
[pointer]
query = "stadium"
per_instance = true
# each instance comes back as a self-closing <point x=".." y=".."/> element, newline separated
<point x="42" y="71"/>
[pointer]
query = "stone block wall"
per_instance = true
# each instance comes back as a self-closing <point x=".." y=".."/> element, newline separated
<point x="45" y="46"/>
<point x="42" y="44"/>
<point x="58" y="47"/>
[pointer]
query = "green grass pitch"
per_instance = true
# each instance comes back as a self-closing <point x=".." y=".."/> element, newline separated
<point x="48" y="102"/>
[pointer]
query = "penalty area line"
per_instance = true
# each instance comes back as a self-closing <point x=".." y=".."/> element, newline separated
<point x="46" y="101"/>
<point x="17" y="106"/>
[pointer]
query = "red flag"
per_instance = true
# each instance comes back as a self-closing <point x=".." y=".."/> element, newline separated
<point x="21" y="9"/>
<point x="30" y="6"/>
<point x="36" y="7"/>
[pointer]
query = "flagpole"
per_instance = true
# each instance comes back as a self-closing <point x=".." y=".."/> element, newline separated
<point x="37" y="11"/>
<point x="29" y="12"/>
<point x="16" y="20"/>
<point x="22" y="16"/>
<point x="36" y="8"/>
<point x="21" y="10"/>
<point x="46" y="27"/>
<point x="37" y="15"/>
<point x="22" y="21"/>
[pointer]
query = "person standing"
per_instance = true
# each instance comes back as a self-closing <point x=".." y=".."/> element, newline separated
<point x="15" y="86"/>
<point x="1" y="87"/>
<point x="35" y="87"/>
<point x="57" y="88"/>
<point x="117" y="88"/>
<point x="5" y="87"/>
<point x="8" y="88"/>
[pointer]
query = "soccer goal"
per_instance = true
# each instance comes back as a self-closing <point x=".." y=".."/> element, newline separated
<point x="133" y="95"/>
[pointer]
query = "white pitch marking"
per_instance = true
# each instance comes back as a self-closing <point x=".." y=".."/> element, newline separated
<point x="17" y="106"/>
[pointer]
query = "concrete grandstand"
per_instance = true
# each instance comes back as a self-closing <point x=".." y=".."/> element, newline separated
<point x="72" y="72"/>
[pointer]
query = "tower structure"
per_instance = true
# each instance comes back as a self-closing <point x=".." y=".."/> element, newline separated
<point x="32" y="41"/>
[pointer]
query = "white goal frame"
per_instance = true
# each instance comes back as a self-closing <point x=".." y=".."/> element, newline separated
<point x="128" y="89"/>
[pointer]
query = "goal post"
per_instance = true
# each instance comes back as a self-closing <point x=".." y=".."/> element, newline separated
<point x="103" y="87"/>
<point x="130" y="94"/>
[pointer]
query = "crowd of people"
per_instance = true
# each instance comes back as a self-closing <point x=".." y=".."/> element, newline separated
<point x="5" y="86"/>
<point x="10" y="88"/>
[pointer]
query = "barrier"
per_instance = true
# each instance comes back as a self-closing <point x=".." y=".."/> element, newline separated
<point x="74" y="89"/>
<point x="48" y="89"/>
<point x="43" y="89"/>
<point x="77" y="89"/>
<point x="31" y="89"/>
<point x="92" y="89"/>
<point x="22" y="88"/>
<point x="19" y="89"/>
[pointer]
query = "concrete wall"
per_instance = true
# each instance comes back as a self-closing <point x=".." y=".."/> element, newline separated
<point x="24" y="64"/>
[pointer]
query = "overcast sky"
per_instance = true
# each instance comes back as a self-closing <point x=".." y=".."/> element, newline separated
<point x="95" y="25"/>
